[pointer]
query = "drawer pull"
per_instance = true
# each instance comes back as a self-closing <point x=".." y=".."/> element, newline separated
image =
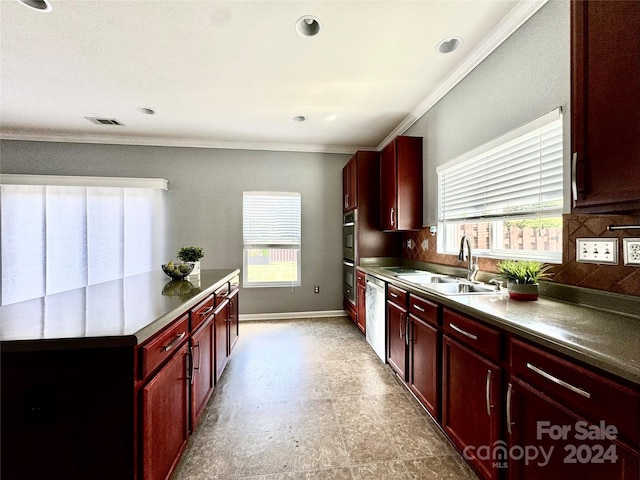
<point x="206" y="312"/>
<point x="393" y="295"/>
<point x="556" y="380"/>
<point x="463" y="332"/>
<point x="175" y="341"/>
<point x="488" y="393"/>
<point x="418" y="307"/>
<point x="509" y="393"/>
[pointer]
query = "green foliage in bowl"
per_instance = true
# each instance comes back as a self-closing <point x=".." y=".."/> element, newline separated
<point x="524" y="271"/>
<point x="190" y="254"/>
<point x="177" y="271"/>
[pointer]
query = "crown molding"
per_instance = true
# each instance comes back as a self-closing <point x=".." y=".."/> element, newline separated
<point x="518" y="15"/>
<point x="178" y="142"/>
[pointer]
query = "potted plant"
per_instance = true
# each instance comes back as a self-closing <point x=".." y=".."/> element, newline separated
<point x="191" y="254"/>
<point x="523" y="276"/>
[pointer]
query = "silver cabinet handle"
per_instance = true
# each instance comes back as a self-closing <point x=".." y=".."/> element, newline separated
<point x="463" y="332"/>
<point x="400" y="327"/>
<point x="174" y="342"/>
<point x="418" y="307"/>
<point x="406" y="329"/>
<point x="392" y="217"/>
<point x="558" y="381"/>
<point x="393" y="295"/>
<point x="574" y="180"/>
<point x="488" y="393"/>
<point x="206" y="312"/>
<point x="509" y="393"/>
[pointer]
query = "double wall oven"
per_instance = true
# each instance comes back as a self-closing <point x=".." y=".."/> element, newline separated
<point x="349" y="255"/>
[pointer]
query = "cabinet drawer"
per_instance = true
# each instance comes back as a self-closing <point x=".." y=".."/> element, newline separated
<point x="221" y="294"/>
<point x="471" y="332"/>
<point x="201" y="312"/>
<point x="424" y="309"/>
<point x="582" y="391"/>
<point x="397" y="295"/>
<point x="361" y="278"/>
<point x="156" y="350"/>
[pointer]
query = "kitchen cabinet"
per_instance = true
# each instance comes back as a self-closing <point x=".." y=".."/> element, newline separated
<point x="165" y="417"/>
<point x="202" y="356"/>
<point x="587" y="423"/>
<point x="424" y="353"/>
<point x="350" y="184"/>
<point x="361" y="301"/>
<point x="471" y="390"/>
<point x="221" y="327"/>
<point x="234" y="325"/>
<point x="397" y="326"/>
<point x="401" y="184"/>
<point x="605" y="106"/>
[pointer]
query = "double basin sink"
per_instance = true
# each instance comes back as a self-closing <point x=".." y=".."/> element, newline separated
<point x="443" y="284"/>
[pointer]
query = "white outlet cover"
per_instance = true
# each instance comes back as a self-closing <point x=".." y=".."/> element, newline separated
<point x="631" y="248"/>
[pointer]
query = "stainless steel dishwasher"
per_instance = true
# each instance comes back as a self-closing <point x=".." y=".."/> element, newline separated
<point x="375" y="312"/>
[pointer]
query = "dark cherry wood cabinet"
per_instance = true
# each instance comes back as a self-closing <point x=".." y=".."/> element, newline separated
<point x="202" y="377"/>
<point x="361" y="301"/>
<point x="234" y="325"/>
<point x="424" y="353"/>
<point x="165" y="417"/>
<point x="605" y="105"/>
<point x="401" y="184"/>
<point x="397" y="329"/>
<point x="471" y="389"/>
<point x="350" y="184"/>
<point x="221" y="335"/>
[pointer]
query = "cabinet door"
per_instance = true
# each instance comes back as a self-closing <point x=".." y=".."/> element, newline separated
<point x="424" y="364"/>
<point x="165" y="417"/>
<point x="361" y="306"/>
<point x="605" y="105"/>
<point x="202" y="379"/>
<point x="471" y="404"/>
<point x="350" y="184"/>
<point x="388" y="188"/>
<point x="234" y="326"/>
<point x="538" y="425"/>
<point x="221" y="335"/>
<point x="397" y="318"/>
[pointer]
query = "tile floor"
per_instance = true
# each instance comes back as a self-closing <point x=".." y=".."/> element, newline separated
<point x="309" y="399"/>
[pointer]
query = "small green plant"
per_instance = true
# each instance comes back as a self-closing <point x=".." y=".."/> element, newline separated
<point x="190" y="254"/>
<point x="524" y="271"/>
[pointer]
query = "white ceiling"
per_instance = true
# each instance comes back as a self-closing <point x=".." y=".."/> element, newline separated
<point x="233" y="74"/>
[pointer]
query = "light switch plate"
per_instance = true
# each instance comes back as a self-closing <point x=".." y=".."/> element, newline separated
<point x="597" y="250"/>
<point x="631" y="248"/>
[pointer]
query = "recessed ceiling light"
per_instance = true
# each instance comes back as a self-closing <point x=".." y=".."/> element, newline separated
<point x="308" y="26"/>
<point x="449" y="44"/>
<point x="299" y="118"/>
<point x="40" y="5"/>
<point x="146" y="110"/>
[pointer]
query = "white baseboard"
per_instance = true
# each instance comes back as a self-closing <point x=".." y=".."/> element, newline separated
<point x="291" y="315"/>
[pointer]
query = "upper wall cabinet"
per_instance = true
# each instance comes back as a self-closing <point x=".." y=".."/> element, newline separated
<point x="605" y="110"/>
<point x="350" y="184"/>
<point x="401" y="184"/>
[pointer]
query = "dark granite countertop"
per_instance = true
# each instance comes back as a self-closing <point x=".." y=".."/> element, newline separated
<point x="605" y="339"/>
<point x="118" y="313"/>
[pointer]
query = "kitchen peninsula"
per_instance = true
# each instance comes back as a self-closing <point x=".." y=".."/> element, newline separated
<point x="108" y="381"/>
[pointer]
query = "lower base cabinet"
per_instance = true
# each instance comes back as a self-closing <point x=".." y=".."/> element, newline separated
<point x="424" y="357"/>
<point x="165" y="417"/>
<point x="221" y="335"/>
<point x="201" y="376"/>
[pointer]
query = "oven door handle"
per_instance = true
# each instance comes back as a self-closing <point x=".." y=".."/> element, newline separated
<point x="348" y="264"/>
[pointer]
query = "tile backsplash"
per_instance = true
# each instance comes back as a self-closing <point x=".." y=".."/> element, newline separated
<point x="612" y="278"/>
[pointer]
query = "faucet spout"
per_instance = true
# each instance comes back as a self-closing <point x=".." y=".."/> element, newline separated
<point x="472" y="267"/>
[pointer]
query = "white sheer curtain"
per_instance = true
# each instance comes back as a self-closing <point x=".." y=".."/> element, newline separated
<point x="63" y="233"/>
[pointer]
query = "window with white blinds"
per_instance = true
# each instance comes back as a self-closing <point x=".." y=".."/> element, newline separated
<point x="63" y="233"/>
<point x="271" y="239"/>
<point x="515" y="180"/>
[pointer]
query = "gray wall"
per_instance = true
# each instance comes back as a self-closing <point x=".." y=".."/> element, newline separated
<point x="204" y="204"/>
<point x="524" y="78"/>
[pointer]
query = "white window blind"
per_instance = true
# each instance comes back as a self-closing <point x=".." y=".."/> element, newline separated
<point x="271" y="218"/>
<point x="517" y="175"/>
<point x="63" y="233"/>
<point x="271" y="239"/>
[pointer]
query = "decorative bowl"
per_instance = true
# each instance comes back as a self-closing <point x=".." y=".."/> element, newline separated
<point x="178" y="271"/>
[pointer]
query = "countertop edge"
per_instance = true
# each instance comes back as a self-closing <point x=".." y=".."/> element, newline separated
<point x="572" y="351"/>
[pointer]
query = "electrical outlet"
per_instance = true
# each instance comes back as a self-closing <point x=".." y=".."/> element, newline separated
<point x="316" y="289"/>
<point x="631" y="247"/>
<point x="597" y="250"/>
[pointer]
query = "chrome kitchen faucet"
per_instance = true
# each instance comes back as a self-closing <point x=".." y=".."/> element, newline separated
<point x="472" y="267"/>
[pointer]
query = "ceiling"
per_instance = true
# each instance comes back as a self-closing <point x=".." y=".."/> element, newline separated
<point x="234" y="74"/>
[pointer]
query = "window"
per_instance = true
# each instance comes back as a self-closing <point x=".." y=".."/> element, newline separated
<point x="271" y="239"/>
<point x="507" y="195"/>
<point x="64" y="233"/>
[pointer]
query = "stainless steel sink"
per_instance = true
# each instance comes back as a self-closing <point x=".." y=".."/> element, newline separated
<point x="420" y="277"/>
<point x="404" y="270"/>
<point x="462" y="289"/>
